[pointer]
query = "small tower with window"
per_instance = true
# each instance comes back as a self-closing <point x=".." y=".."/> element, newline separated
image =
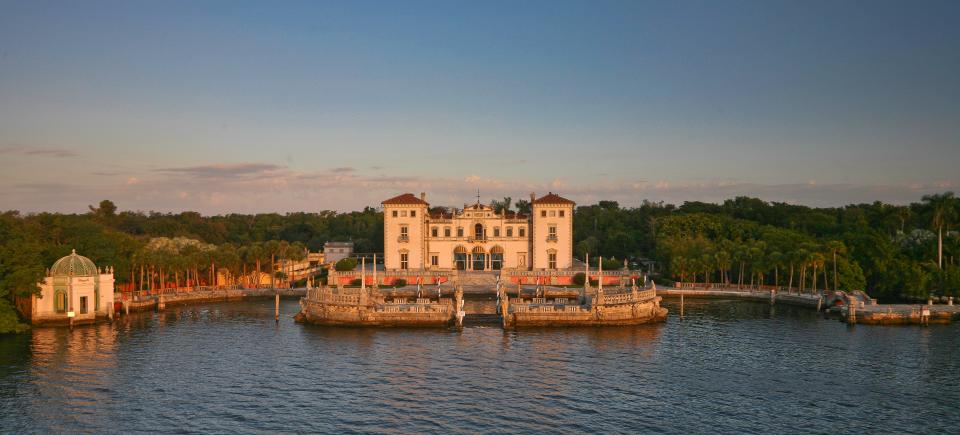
<point x="404" y="231"/>
<point x="552" y="232"/>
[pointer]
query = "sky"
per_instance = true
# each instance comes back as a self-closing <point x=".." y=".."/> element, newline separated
<point x="240" y="107"/>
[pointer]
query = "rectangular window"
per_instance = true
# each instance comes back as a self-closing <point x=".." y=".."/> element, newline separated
<point x="561" y="213"/>
<point x="403" y="213"/>
<point x="509" y="231"/>
<point x="394" y="213"/>
<point x="83" y="305"/>
<point x="553" y="260"/>
<point x="543" y="213"/>
<point x="434" y="260"/>
<point x="522" y="232"/>
<point x="459" y="231"/>
<point x="553" y="213"/>
<point x="403" y="261"/>
<point x="496" y="231"/>
<point x="404" y="233"/>
<point x="446" y="232"/>
<point x="434" y="231"/>
<point x="413" y="213"/>
<point x="553" y="231"/>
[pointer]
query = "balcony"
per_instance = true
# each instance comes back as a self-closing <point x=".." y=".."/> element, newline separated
<point x="477" y="239"/>
<point x="552" y="238"/>
<point x="403" y="239"/>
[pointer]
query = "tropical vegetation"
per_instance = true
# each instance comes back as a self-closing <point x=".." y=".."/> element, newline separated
<point x="894" y="252"/>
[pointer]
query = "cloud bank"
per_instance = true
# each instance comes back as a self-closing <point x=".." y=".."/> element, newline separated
<point x="264" y="187"/>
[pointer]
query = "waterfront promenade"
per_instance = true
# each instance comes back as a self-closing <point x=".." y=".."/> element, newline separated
<point x="151" y="300"/>
<point x="850" y="307"/>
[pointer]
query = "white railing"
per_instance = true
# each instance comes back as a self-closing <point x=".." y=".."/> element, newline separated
<point x="413" y="308"/>
<point x="325" y="296"/>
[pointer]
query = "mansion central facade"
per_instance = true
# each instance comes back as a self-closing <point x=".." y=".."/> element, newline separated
<point x="477" y="237"/>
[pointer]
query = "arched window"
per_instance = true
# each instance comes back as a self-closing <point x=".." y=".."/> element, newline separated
<point x="478" y="231"/>
<point x="460" y="258"/>
<point x="479" y="259"/>
<point x="60" y="301"/>
<point x="496" y="258"/>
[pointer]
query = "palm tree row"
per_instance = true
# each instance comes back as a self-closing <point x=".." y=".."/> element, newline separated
<point x="191" y="263"/>
<point x="753" y="262"/>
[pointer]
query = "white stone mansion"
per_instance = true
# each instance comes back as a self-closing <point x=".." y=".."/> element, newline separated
<point x="476" y="237"/>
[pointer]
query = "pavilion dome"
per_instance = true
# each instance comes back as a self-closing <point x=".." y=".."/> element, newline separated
<point x="74" y="265"/>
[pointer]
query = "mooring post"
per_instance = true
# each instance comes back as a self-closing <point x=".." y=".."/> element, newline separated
<point x="950" y="301"/>
<point x="276" y="308"/>
<point x="681" y="306"/>
<point x="773" y="296"/>
<point x="851" y="313"/>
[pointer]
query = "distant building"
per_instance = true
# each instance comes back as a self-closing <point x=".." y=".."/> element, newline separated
<point x="74" y="287"/>
<point x="336" y="251"/>
<point x="476" y="237"/>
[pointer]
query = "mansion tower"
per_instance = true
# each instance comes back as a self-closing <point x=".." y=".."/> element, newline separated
<point x="476" y="237"/>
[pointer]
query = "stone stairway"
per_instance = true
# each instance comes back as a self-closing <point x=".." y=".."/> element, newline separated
<point x="480" y="279"/>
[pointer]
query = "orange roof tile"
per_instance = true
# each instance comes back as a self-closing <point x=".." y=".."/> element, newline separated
<point x="405" y="199"/>
<point x="552" y="198"/>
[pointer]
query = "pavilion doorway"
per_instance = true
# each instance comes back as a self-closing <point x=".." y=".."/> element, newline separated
<point x="479" y="259"/>
<point x="496" y="258"/>
<point x="460" y="258"/>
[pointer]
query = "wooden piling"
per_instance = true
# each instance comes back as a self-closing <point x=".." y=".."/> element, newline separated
<point x="276" y="309"/>
<point x="681" y="306"/>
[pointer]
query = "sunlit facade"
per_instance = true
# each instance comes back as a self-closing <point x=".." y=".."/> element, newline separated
<point x="476" y="237"/>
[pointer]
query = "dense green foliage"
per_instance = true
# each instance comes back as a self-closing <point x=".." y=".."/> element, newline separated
<point x="148" y="250"/>
<point x="890" y="251"/>
<point x="346" y="264"/>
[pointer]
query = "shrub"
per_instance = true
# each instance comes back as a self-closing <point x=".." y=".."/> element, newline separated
<point x="579" y="278"/>
<point x="399" y="282"/>
<point x="612" y="264"/>
<point x="356" y="282"/>
<point x="346" y="264"/>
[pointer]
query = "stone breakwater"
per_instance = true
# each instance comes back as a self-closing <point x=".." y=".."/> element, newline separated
<point x="852" y="308"/>
<point x="802" y="299"/>
<point x="897" y="314"/>
<point x="160" y="301"/>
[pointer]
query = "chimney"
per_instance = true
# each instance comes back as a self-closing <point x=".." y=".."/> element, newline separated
<point x="423" y="196"/>
<point x="533" y="197"/>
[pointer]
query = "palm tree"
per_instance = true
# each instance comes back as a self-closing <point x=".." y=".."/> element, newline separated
<point x="836" y="247"/>
<point x="776" y="260"/>
<point x="944" y="211"/>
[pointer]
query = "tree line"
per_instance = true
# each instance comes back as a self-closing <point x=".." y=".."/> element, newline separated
<point x="894" y="252"/>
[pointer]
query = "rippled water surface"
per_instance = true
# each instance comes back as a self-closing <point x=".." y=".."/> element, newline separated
<point x="727" y="367"/>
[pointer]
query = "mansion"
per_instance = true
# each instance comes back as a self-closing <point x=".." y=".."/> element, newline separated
<point x="476" y="237"/>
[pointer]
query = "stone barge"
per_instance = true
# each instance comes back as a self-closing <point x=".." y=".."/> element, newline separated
<point x="616" y="308"/>
<point x="369" y="307"/>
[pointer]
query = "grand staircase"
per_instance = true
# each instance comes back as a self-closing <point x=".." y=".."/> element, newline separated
<point x="484" y="279"/>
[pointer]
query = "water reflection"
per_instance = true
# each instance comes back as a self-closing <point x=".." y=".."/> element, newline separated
<point x="726" y="367"/>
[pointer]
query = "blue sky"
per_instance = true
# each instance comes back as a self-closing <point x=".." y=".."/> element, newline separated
<point x="285" y="106"/>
